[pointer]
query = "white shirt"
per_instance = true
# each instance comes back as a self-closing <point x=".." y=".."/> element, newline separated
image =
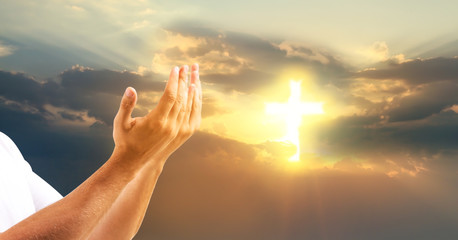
<point x="22" y="192"/>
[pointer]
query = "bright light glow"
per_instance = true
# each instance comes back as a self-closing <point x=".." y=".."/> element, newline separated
<point x="293" y="111"/>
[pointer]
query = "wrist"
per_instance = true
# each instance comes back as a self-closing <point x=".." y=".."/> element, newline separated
<point x="133" y="160"/>
<point x="127" y="160"/>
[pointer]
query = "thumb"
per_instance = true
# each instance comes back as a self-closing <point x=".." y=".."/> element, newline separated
<point x="126" y="107"/>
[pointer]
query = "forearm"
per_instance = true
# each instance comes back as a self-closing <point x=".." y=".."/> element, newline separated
<point x="76" y="215"/>
<point x="166" y="127"/>
<point x="125" y="216"/>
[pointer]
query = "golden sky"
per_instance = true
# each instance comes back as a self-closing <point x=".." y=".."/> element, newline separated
<point x="383" y="153"/>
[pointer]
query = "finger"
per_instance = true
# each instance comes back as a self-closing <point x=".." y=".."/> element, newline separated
<point x="195" y="78"/>
<point x="184" y="89"/>
<point x="191" y="93"/>
<point x="126" y="107"/>
<point x="179" y="107"/>
<point x="170" y="93"/>
<point x="196" y="110"/>
<point x="194" y="73"/>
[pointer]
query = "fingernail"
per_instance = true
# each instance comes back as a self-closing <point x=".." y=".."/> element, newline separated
<point x="129" y="92"/>
<point x="186" y="67"/>
<point x="176" y="69"/>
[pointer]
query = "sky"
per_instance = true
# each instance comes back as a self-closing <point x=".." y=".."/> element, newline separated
<point x="380" y="162"/>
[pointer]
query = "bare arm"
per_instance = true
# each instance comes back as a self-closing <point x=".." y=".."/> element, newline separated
<point x="125" y="216"/>
<point x="141" y="143"/>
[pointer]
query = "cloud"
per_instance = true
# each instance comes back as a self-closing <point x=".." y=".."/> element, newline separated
<point x="84" y="93"/>
<point x="211" y="53"/>
<point x="393" y="117"/>
<point x="416" y="71"/>
<point x="94" y="92"/>
<point x="244" y="62"/>
<point x="215" y="186"/>
<point x="427" y="87"/>
<point x="63" y="125"/>
<point x="424" y="101"/>
<point x="107" y="81"/>
<point x="298" y="50"/>
<point x="6" y="50"/>
<point x="378" y="52"/>
<point x="247" y="199"/>
<point x="374" y="141"/>
<point x="22" y="89"/>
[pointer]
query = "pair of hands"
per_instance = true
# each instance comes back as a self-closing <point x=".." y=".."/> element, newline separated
<point x="158" y="134"/>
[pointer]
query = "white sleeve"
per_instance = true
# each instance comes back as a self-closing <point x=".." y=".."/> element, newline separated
<point x="42" y="193"/>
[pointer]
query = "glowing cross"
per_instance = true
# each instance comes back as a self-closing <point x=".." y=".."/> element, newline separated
<point x="294" y="110"/>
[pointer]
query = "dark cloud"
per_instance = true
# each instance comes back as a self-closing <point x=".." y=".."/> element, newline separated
<point x="371" y="135"/>
<point x="424" y="101"/>
<point x="71" y="116"/>
<point x="107" y="81"/>
<point x="417" y="71"/>
<point x="97" y="92"/>
<point x="21" y="88"/>
<point x="64" y="156"/>
<point x="430" y="87"/>
<point x="438" y="132"/>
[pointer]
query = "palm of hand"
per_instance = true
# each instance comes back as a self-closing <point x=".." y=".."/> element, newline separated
<point x="176" y="117"/>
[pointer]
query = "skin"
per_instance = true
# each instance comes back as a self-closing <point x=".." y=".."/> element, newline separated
<point x="112" y="202"/>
